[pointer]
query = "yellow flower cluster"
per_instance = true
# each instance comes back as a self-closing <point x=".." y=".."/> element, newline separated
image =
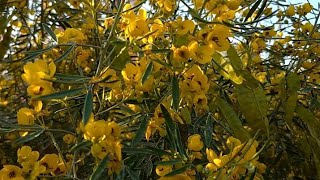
<point x="106" y="138"/>
<point x="242" y="155"/>
<point x="35" y="74"/>
<point x="194" y="87"/>
<point x="32" y="167"/>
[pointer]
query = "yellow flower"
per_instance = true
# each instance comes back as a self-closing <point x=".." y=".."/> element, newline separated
<point x="290" y="11"/>
<point x="89" y="24"/>
<point x="114" y="167"/>
<point x="181" y="54"/>
<point x="167" y="5"/>
<point x="221" y="161"/>
<point x="83" y="57"/>
<point x="131" y="73"/>
<point x="40" y="88"/>
<point x="40" y="69"/>
<point x="27" y="158"/>
<point x="95" y="130"/>
<point x="233" y="4"/>
<point x="183" y="27"/>
<point x="211" y="155"/>
<point x="233" y="142"/>
<point x="200" y="53"/>
<point x="25" y="116"/>
<point x="72" y="35"/>
<point x="61" y="169"/>
<point x="162" y="170"/>
<point x="50" y="162"/>
<point x="195" y="143"/>
<point x="11" y="172"/>
<point x="113" y="129"/>
<point x="68" y="138"/>
<point x="109" y="79"/>
<point x="98" y="151"/>
<point x="157" y="27"/>
<point x="200" y="100"/>
<point x="37" y="105"/>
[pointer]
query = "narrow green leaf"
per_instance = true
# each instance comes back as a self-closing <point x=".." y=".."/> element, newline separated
<point x="178" y="171"/>
<point x="251" y="11"/>
<point x="178" y="142"/>
<point x="158" y="151"/>
<point x="40" y="51"/>
<point x="80" y="146"/>
<point x="260" y="11"/>
<point x="65" y="54"/>
<point x="100" y="169"/>
<point x="136" y="150"/>
<point x="141" y="131"/>
<point x="5" y="131"/>
<point x="169" y="122"/>
<point x="312" y="123"/>
<point x="30" y="57"/>
<point x="147" y="73"/>
<point x="160" y="50"/>
<point x="168" y="163"/>
<point x="28" y="137"/>
<point x="208" y="131"/>
<point x="132" y="174"/>
<point x="121" y="55"/>
<point x="233" y="120"/>
<point x="51" y="33"/>
<point x="88" y="107"/>
<point x="60" y="95"/>
<point x="175" y="93"/>
<point x="70" y="76"/>
<point x="235" y="60"/>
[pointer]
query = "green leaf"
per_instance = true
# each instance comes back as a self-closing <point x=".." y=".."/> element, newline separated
<point x="264" y="3"/>
<point x="65" y="54"/>
<point x="51" y="33"/>
<point x="233" y="120"/>
<point x="70" y="77"/>
<point x="136" y="150"/>
<point x="251" y="11"/>
<point x="175" y="93"/>
<point x="208" y="131"/>
<point x="168" y="163"/>
<point x="132" y="174"/>
<point x="312" y="123"/>
<point x="159" y="152"/>
<point x="88" y="107"/>
<point x="60" y="95"/>
<point x="28" y="137"/>
<point x="40" y="51"/>
<point x="80" y="146"/>
<point x="121" y="55"/>
<point x="169" y="122"/>
<point x="147" y="73"/>
<point x="5" y="131"/>
<point x="178" y="171"/>
<point x="100" y="169"/>
<point x="31" y="57"/>
<point x="178" y="142"/>
<point x="141" y="131"/>
<point x="253" y="105"/>
<point x="186" y="116"/>
<point x="290" y="107"/>
<point x="235" y="60"/>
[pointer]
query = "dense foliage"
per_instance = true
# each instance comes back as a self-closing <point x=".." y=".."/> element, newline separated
<point x="146" y="89"/>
